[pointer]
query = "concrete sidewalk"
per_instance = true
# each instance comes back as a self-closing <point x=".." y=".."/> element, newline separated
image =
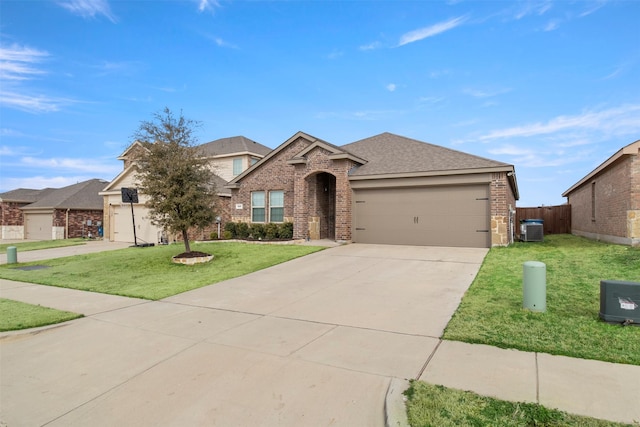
<point x="92" y="246"/>
<point x="295" y="344"/>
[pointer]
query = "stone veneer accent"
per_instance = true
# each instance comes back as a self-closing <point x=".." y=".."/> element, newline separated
<point x="502" y="199"/>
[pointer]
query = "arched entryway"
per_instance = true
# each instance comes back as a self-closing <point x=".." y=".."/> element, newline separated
<point x="322" y="206"/>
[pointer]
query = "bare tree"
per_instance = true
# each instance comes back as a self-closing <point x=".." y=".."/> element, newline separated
<point x="174" y="175"/>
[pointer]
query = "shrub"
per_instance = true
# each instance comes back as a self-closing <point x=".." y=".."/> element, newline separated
<point x="231" y="228"/>
<point x="257" y="231"/>
<point x="286" y="230"/>
<point x="242" y="230"/>
<point x="271" y="231"/>
<point x="213" y="235"/>
<point x="227" y="235"/>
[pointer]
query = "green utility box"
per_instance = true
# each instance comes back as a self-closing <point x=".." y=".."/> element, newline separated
<point x="534" y="286"/>
<point x="12" y="255"/>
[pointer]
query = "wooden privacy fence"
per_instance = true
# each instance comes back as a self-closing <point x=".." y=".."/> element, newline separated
<point x="557" y="219"/>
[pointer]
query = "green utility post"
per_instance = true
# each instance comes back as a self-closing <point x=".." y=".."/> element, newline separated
<point x="12" y="255"/>
<point x="534" y="286"/>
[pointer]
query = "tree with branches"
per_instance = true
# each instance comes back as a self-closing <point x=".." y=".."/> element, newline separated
<point x="174" y="175"/>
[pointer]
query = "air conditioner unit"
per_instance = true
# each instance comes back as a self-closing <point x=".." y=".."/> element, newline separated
<point x="620" y="302"/>
<point x="531" y="232"/>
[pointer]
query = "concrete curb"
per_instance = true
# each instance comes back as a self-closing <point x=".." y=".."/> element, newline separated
<point x="395" y="411"/>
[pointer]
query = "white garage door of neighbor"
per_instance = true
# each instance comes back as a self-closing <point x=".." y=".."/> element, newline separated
<point x="426" y="216"/>
<point x="38" y="226"/>
<point x="122" y="221"/>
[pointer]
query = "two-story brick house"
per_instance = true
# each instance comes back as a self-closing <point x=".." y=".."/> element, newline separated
<point x="385" y="189"/>
<point x="228" y="157"/>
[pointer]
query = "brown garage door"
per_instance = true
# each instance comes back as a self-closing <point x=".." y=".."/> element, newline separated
<point x="425" y="216"/>
<point x="38" y="226"/>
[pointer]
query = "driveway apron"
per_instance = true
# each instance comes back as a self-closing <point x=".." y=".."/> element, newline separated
<point x="314" y="341"/>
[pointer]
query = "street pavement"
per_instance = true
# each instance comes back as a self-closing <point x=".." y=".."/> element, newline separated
<point x="327" y="339"/>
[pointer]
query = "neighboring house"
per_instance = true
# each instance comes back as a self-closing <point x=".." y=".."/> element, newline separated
<point x="51" y="214"/>
<point x="385" y="189"/>
<point x="605" y="204"/>
<point x="227" y="157"/>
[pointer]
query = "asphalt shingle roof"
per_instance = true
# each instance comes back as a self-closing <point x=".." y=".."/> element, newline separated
<point x="24" y="195"/>
<point x="83" y="195"/>
<point x="234" y="144"/>
<point x="388" y="153"/>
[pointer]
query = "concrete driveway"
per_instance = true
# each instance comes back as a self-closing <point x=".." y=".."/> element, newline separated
<point x="314" y="341"/>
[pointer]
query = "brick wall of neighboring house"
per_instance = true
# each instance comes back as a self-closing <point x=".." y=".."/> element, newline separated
<point x="74" y="222"/>
<point x="610" y="192"/>
<point x="275" y="174"/>
<point x="11" y="220"/>
<point x="633" y="215"/>
<point x="11" y="213"/>
<point x="502" y="198"/>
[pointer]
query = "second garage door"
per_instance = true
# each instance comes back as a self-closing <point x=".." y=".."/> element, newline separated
<point x="38" y="226"/>
<point x="427" y="216"/>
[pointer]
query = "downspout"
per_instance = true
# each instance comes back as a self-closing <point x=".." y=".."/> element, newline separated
<point x="66" y="224"/>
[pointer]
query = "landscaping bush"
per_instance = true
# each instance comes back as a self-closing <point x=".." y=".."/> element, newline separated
<point x="242" y="230"/>
<point x="271" y="231"/>
<point x="257" y="231"/>
<point x="230" y="230"/>
<point x="286" y="230"/>
<point x="213" y="235"/>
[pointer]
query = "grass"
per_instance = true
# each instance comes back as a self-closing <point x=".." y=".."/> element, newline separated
<point x="16" y="315"/>
<point x="438" y="406"/>
<point x="149" y="273"/>
<point x="43" y="244"/>
<point x="491" y="311"/>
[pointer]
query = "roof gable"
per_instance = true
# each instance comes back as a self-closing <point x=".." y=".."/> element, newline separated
<point x="83" y="195"/>
<point x="632" y="149"/>
<point x="389" y="154"/>
<point x="233" y="145"/>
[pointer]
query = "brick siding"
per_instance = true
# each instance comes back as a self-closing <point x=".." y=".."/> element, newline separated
<point x="612" y="190"/>
<point x="77" y="222"/>
<point x="11" y="213"/>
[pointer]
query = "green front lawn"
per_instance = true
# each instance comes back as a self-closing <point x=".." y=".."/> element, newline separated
<point x="43" y="244"/>
<point x="149" y="273"/>
<point x="16" y="315"/>
<point x="437" y="406"/>
<point x="491" y="311"/>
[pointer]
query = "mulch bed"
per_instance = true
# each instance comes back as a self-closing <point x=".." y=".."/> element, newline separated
<point x="192" y="254"/>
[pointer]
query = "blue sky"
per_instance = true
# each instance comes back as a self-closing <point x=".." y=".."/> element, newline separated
<point x="552" y="87"/>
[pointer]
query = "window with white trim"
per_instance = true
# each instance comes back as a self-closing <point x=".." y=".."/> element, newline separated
<point x="237" y="167"/>
<point x="257" y="206"/>
<point x="276" y="206"/>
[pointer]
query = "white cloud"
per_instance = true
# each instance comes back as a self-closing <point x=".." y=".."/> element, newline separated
<point x="72" y="164"/>
<point x="423" y="33"/>
<point x="371" y="46"/>
<point x="89" y="8"/>
<point x="391" y="87"/>
<point x="554" y="24"/>
<point x="33" y="103"/>
<point x="532" y="8"/>
<point x="17" y="62"/>
<point x="593" y="6"/>
<point x="205" y="5"/>
<point x="622" y="120"/>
